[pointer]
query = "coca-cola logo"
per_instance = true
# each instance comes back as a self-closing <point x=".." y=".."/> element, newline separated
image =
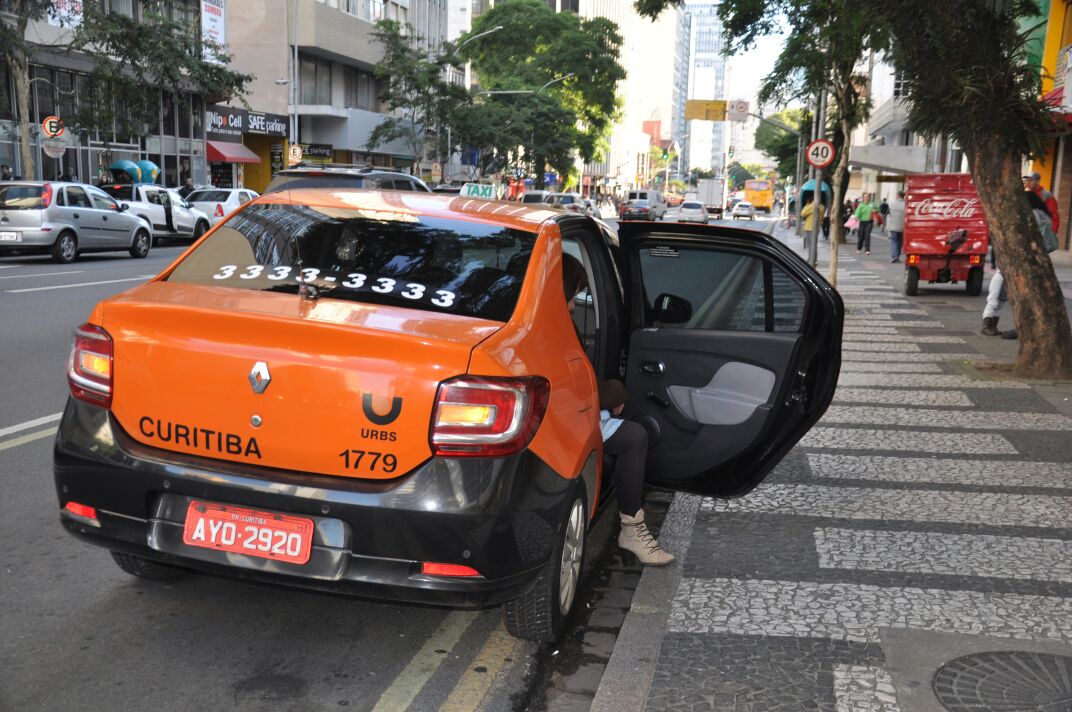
<point x="955" y="208"/>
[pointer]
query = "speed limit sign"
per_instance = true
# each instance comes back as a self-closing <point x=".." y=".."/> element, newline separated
<point x="820" y="153"/>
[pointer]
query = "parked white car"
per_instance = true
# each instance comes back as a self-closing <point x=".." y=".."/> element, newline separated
<point x="219" y="202"/>
<point x="161" y="207"/>
<point x="691" y="211"/>
<point x="744" y="209"/>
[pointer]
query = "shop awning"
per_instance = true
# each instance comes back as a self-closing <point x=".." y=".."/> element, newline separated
<point x="224" y="152"/>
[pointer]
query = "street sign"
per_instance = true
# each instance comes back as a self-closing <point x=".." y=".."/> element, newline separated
<point x="737" y="110"/>
<point x="705" y="110"/>
<point x="295" y="153"/>
<point x="54" y="147"/>
<point x="52" y="126"/>
<point x="479" y="190"/>
<point x="820" y="153"/>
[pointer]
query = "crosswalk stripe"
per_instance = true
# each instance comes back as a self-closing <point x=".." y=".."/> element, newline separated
<point x="906" y="396"/>
<point x="879" y="339"/>
<point x="903" y="357"/>
<point x="902" y="347"/>
<point x="848" y="367"/>
<point x="948" y="471"/>
<point x="925" y="417"/>
<point x="922" y="380"/>
<point x="907" y="440"/>
<point x="864" y="688"/>
<point x="944" y="553"/>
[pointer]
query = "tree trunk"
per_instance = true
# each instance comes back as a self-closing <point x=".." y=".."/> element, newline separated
<point x="840" y="171"/>
<point x="20" y="68"/>
<point x="541" y="169"/>
<point x="1035" y="295"/>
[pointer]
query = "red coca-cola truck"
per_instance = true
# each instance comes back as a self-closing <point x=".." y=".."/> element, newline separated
<point x="938" y="206"/>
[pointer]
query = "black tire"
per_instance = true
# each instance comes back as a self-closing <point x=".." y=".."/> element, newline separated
<point x="539" y="615"/>
<point x="200" y="228"/>
<point x="911" y="281"/>
<point x="65" y="248"/>
<point x="139" y="249"/>
<point x="975" y="281"/>
<point x="146" y="569"/>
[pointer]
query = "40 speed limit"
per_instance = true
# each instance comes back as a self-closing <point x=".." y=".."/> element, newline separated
<point x="820" y="153"/>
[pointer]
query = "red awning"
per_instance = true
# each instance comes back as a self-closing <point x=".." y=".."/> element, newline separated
<point x="223" y="152"/>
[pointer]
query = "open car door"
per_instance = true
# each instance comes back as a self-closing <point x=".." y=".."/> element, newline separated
<point x="734" y="352"/>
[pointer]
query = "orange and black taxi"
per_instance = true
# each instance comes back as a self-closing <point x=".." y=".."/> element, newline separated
<point x="385" y="393"/>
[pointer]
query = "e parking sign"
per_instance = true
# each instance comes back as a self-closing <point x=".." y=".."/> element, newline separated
<point x="820" y="153"/>
<point x="52" y="127"/>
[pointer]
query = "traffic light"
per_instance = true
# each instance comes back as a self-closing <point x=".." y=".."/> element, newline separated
<point x="666" y="154"/>
<point x="731" y="151"/>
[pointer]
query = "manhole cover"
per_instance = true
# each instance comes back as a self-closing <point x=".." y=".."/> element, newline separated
<point x="1006" y="682"/>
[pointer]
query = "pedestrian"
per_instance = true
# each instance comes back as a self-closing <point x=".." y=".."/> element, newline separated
<point x="626" y="440"/>
<point x="1044" y="220"/>
<point x="187" y="188"/>
<point x="5" y="172"/>
<point x="70" y="175"/>
<point x="895" y="222"/>
<point x="808" y="213"/>
<point x="884" y="211"/>
<point x="865" y="212"/>
<point x="1033" y="183"/>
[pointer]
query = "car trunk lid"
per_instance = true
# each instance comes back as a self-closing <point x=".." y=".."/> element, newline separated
<point x="327" y="386"/>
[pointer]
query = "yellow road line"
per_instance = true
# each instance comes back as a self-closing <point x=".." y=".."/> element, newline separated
<point x="473" y="686"/>
<point x="23" y="439"/>
<point x="411" y="681"/>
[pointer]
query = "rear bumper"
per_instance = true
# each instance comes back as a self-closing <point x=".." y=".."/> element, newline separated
<point x="30" y="238"/>
<point x="501" y="517"/>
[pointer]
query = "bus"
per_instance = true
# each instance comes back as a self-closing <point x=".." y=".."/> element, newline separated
<point x="760" y="193"/>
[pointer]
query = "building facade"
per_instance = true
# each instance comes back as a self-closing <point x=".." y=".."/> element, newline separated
<point x="707" y="81"/>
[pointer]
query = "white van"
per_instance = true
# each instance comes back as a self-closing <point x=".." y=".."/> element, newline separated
<point x="655" y="200"/>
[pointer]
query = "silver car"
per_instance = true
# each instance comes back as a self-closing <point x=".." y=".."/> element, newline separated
<point x="742" y="210"/>
<point x="692" y="211"/>
<point x="66" y="219"/>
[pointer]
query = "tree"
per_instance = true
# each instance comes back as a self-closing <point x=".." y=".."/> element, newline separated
<point x="738" y="174"/>
<point x="964" y="69"/>
<point x="413" y="84"/>
<point x="779" y="144"/>
<point x="133" y="61"/>
<point x="536" y="47"/>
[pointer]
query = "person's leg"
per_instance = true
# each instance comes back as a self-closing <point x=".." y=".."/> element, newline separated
<point x="860" y="238"/>
<point x="630" y="444"/>
<point x="867" y="236"/>
<point x="895" y="246"/>
<point x="993" y="306"/>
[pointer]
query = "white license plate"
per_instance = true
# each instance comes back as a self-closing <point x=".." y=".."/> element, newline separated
<point x="9" y="237"/>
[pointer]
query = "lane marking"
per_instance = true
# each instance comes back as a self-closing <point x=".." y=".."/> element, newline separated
<point x="946" y="471"/>
<point x="410" y="682"/>
<point x="30" y="424"/>
<point x="981" y="555"/>
<point x="847" y="611"/>
<point x="82" y="284"/>
<point x="23" y="439"/>
<point x="862" y="688"/>
<point x="473" y="686"/>
<point x="42" y="274"/>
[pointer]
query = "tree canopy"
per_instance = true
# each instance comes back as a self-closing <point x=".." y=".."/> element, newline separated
<point x="779" y="144"/>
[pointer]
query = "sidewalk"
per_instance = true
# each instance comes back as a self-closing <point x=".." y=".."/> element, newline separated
<point x="913" y="552"/>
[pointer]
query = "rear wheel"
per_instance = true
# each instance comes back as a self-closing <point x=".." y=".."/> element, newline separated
<point x="200" y="229"/>
<point x="975" y="281"/>
<point x="911" y="281"/>
<point x="540" y="615"/>
<point x="65" y="249"/>
<point x="140" y="247"/>
<point x="146" y="569"/>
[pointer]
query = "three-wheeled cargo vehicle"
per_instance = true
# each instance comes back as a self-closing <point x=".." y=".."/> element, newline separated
<point x="946" y="237"/>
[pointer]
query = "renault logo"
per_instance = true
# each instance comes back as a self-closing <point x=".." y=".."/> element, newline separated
<point x="259" y="377"/>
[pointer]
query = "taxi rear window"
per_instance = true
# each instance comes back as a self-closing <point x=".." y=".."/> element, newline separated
<point x="426" y="263"/>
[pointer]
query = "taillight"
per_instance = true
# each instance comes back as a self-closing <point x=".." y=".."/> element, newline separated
<point x="89" y="368"/>
<point x="913" y="259"/>
<point x="975" y="260"/>
<point x="487" y="417"/>
<point x="46" y="195"/>
<point x="219" y="210"/>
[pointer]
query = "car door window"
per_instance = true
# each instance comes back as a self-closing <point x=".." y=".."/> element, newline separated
<point x="585" y="314"/>
<point x="152" y="196"/>
<point x="101" y="201"/>
<point x="738" y="292"/>
<point x="77" y="198"/>
<point x="244" y="197"/>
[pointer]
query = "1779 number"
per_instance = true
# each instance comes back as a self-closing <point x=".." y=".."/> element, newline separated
<point x="375" y="461"/>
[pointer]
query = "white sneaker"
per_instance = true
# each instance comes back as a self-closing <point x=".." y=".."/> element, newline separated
<point x="636" y="538"/>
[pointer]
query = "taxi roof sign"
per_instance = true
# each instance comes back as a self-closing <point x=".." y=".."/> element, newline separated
<point x="479" y="190"/>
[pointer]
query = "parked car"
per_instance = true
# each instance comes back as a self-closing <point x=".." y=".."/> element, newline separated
<point x="344" y="176"/>
<point x="570" y="201"/>
<point x="692" y="211"/>
<point x="218" y="202"/>
<point x="536" y="196"/>
<point x="592" y="209"/>
<point x="451" y="457"/>
<point x="163" y="208"/>
<point x="68" y="219"/>
<point x="655" y="200"/>
<point x="637" y="210"/>
<point x="447" y="188"/>
<point x="743" y="209"/>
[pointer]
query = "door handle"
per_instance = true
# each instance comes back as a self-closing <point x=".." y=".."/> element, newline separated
<point x="105" y="218"/>
<point x="653" y="368"/>
<point x="76" y="216"/>
<point x="657" y="399"/>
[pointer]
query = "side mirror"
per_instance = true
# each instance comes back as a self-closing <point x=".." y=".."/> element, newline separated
<point x="121" y="207"/>
<point x="671" y="309"/>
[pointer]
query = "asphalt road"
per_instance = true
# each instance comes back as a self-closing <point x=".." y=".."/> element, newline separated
<point x="80" y="634"/>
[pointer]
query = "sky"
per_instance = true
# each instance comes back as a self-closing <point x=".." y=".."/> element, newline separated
<point x="745" y="72"/>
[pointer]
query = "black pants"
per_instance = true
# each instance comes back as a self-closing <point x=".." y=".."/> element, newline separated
<point x="863" y="239"/>
<point x="630" y="445"/>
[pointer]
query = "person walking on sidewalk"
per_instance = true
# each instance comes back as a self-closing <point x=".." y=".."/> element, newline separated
<point x="865" y="212"/>
<point x="884" y="211"/>
<point x="1044" y="220"/>
<point x="626" y="440"/>
<point x="895" y="222"/>
<point x="1033" y="184"/>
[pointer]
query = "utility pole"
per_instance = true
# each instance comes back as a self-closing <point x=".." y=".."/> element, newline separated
<point x="817" y="194"/>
